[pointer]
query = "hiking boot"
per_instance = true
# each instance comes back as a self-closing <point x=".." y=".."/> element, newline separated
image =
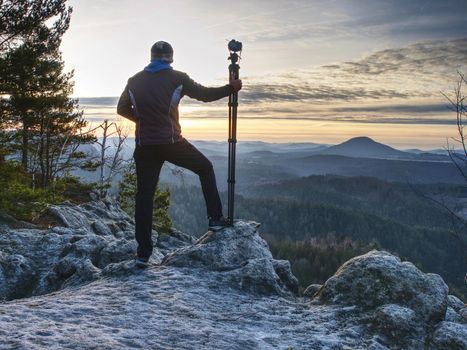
<point x="142" y="262"/>
<point x="219" y="224"/>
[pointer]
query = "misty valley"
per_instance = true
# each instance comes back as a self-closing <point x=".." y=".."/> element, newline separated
<point x="320" y="205"/>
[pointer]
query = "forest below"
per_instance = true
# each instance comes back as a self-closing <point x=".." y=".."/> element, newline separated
<point x="319" y="222"/>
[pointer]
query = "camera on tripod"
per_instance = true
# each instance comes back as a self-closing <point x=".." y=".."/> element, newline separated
<point x="234" y="45"/>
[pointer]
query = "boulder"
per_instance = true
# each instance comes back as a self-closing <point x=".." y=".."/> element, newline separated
<point x="241" y="256"/>
<point x="255" y="276"/>
<point x="455" y="303"/>
<point x="463" y="314"/>
<point x="115" y="251"/>
<point x="453" y="316"/>
<point x="284" y="271"/>
<point x="399" y="325"/>
<point x="379" y="278"/>
<point x="16" y="276"/>
<point x="449" y="336"/>
<point x="70" y="216"/>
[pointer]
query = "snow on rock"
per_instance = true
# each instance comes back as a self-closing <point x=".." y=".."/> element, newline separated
<point x="75" y="286"/>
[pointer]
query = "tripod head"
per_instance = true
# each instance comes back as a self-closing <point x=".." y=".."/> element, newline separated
<point x="234" y="46"/>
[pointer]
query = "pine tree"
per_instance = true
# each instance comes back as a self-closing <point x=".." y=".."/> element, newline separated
<point x="126" y="197"/>
<point x="46" y="122"/>
<point x="22" y="20"/>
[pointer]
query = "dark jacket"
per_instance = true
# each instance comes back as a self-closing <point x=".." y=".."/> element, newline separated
<point x="151" y="101"/>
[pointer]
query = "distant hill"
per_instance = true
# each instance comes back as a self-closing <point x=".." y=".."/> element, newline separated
<point x="246" y="147"/>
<point x="363" y="147"/>
<point x="261" y="162"/>
<point x="412" y="171"/>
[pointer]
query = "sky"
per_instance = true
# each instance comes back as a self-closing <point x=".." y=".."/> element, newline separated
<point x="318" y="71"/>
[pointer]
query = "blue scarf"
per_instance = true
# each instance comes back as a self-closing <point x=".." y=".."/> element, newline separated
<point x="157" y="65"/>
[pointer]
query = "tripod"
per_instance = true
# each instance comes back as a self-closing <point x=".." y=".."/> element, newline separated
<point x="233" y="104"/>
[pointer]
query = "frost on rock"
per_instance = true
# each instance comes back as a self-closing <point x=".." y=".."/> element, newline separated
<point x="449" y="336"/>
<point x="395" y="321"/>
<point x="455" y="303"/>
<point x="222" y="291"/>
<point x="241" y="257"/>
<point x="40" y="261"/>
<point x="378" y="278"/>
<point x="401" y="304"/>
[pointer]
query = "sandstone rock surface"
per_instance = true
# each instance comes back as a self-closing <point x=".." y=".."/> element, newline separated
<point x="75" y="286"/>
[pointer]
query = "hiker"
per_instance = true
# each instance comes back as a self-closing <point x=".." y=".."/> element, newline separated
<point x="151" y="99"/>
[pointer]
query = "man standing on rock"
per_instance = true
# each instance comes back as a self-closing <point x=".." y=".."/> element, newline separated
<point x="151" y="99"/>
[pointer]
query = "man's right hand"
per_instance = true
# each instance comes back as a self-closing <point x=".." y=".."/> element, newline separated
<point x="236" y="84"/>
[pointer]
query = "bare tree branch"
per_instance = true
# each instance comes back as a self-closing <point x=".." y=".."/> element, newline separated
<point x="115" y="162"/>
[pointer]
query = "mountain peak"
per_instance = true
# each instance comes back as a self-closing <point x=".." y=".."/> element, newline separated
<point x="360" y="139"/>
<point x="363" y="147"/>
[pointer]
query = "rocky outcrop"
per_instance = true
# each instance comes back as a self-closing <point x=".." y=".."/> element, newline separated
<point x="95" y="235"/>
<point x="398" y="302"/>
<point x="90" y="237"/>
<point x="449" y="336"/>
<point x="221" y="291"/>
<point x="379" y="278"/>
<point x="242" y="257"/>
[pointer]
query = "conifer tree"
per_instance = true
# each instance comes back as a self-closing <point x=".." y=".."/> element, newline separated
<point x="22" y="20"/>
<point x="19" y="19"/>
<point x="46" y="126"/>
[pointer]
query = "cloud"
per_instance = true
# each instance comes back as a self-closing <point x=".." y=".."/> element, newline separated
<point x="307" y="93"/>
<point x="397" y="108"/>
<point x="418" y="71"/>
<point x="398" y="85"/>
<point x="412" y="19"/>
<point x="428" y="114"/>
<point x="353" y="20"/>
<point x="431" y="57"/>
<point x="98" y="101"/>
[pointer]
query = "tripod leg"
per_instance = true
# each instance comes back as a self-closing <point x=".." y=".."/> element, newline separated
<point x="229" y="174"/>
<point x="233" y="103"/>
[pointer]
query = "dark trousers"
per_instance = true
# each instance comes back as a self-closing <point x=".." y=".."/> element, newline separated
<point x="149" y="160"/>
